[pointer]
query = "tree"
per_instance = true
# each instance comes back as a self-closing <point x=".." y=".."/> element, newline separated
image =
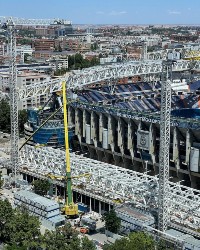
<point x="19" y="231"/>
<point x="26" y="56"/>
<point x="66" y="238"/>
<point x="22" y="119"/>
<point x="23" y="229"/>
<point x="4" y="116"/>
<point x="94" y="61"/>
<point x="112" y="222"/>
<point x="87" y="244"/>
<point x="78" y="62"/>
<point x="135" y="241"/>
<point x="121" y="244"/>
<point x="15" y="247"/>
<point x="6" y="215"/>
<point x="54" y="240"/>
<point x="41" y="187"/>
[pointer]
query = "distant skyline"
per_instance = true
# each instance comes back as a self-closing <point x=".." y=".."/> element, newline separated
<point x="106" y="11"/>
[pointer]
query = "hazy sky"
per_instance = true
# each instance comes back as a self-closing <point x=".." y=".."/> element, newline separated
<point x="107" y="11"/>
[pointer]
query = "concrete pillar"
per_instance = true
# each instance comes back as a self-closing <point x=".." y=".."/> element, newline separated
<point x="152" y="142"/>
<point x="94" y="128"/>
<point x="71" y="116"/>
<point x="100" y="207"/>
<point x="84" y="122"/>
<point x="176" y="143"/>
<point x="111" y="132"/>
<point x="103" y="123"/>
<point x="120" y="137"/>
<point x="78" y="124"/>
<point x="101" y="127"/>
<point x="130" y="143"/>
<point x="90" y="204"/>
<point x="189" y="141"/>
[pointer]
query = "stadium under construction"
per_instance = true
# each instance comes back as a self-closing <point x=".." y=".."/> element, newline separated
<point x="115" y="138"/>
<point x="119" y="124"/>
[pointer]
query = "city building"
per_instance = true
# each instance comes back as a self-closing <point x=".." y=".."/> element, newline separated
<point x="58" y="63"/>
<point x="26" y="78"/>
<point x="44" y="44"/>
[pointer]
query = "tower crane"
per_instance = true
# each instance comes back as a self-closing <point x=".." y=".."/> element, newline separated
<point x="164" y="145"/>
<point x="9" y="24"/>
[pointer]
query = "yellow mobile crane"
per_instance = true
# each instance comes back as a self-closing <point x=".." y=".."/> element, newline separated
<point x="70" y="209"/>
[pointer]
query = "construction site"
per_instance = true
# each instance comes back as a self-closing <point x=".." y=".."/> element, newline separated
<point x="104" y="142"/>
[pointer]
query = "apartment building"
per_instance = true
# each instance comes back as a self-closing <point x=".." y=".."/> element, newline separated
<point x="25" y="78"/>
<point x="58" y="63"/>
<point x="4" y="81"/>
<point x="44" y="44"/>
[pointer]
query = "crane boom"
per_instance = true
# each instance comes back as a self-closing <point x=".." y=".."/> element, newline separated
<point x="33" y="22"/>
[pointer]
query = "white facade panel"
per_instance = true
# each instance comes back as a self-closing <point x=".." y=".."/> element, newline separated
<point x="88" y="134"/>
<point x="105" y="138"/>
<point x="194" y="159"/>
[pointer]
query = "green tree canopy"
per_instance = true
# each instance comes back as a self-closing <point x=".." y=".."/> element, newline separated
<point x="22" y="119"/>
<point x="4" y="116"/>
<point x="137" y="241"/>
<point x="66" y="238"/>
<point x="41" y="187"/>
<point x="112" y="222"/>
<point x="23" y="229"/>
<point x="78" y="62"/>
<point x="19" y="231"/>
<point x="6" y="215"/>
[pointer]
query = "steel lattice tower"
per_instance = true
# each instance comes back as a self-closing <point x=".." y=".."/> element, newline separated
<point x="9" y="24"/>
<point x="13" y="98"/>
<point x="164" y="145"/>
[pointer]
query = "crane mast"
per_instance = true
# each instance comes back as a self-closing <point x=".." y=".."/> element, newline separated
<point x="9" y="24"/>
<point x="70" y="208"/>
<point x="164" y="146"/>
<point x="13" y="98"/>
